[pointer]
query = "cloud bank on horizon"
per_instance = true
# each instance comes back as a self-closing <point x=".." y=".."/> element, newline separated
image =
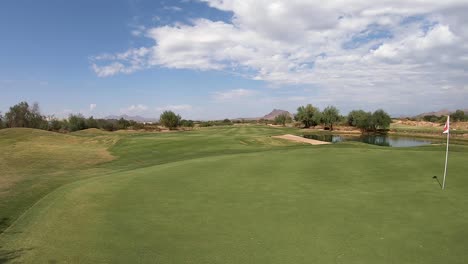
<point x="349" y="50"/>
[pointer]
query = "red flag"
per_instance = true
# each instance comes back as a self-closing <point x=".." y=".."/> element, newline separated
<point x="447" y="125"/>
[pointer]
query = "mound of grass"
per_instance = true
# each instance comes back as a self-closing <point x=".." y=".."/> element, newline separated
<point x="91" y="131"/>
<point x="34" y="162"/>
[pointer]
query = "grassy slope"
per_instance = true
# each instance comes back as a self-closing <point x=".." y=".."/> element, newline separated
<point x="348" y="203"/>
<point x="34" y="162"/>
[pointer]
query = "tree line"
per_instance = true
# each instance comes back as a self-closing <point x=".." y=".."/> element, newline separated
<point x="458" y="115"/>
<point x="310" y="116"/>
<point x="24" y="115"/>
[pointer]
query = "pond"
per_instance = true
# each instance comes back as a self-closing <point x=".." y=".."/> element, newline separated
<point x="380" y="140"/>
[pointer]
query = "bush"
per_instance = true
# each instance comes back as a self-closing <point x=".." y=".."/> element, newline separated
<point x="76" y="122"/>
<point x="1" y="121"/>
<point x="123" y="124"/>
<point x="367" y="121"/>
<point x="91" y="123"/>
<point x="170" y="120"/>
<point x="330" y="116"/>
<point x="459" y="115"/>
<point x="380" y="120"/>
<point x="282" y="119"/>
<point x="56" y="125"/>
<point x="108" y="125"/>
<point x="186" y="123"/>
<point x="308" y="115"/>
<point x="22" y="115"/>
<point x="430" y="118"/>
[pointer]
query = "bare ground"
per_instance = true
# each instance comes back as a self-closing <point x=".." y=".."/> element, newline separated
<point x="301" y="139"/>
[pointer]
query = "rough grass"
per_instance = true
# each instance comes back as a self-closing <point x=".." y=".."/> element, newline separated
<point x="34" y="162"/>
<point x="234" y="195"/>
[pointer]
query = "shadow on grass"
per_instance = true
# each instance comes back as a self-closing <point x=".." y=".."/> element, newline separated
<point x="10" y="255"/>
<point x="437" y="179"/>
<point x="4" y="223"/>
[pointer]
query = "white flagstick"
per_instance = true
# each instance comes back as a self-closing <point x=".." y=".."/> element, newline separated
<point x="446" y="152"/>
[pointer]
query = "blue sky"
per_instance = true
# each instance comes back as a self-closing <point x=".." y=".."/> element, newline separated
<point x="216" y="59"/>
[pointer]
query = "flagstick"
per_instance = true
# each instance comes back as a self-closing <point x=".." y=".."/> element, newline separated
<point x="446" y="156"/>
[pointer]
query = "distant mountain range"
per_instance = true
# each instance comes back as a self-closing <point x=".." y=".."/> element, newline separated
<point x="440" y="112"/>
<point x="134" y="118"/>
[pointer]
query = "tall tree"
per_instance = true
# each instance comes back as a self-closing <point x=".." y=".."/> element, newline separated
<point x="330" y="116"/>
<point x="308" y="115"/>
<point x="1" y="120"/>
<point x="22" y="115"/>
<point x="18" y="114"/>
<point x="380" y="120"/>
<point x="170" y="120"/>
<point x="459" y="115"/>
<point x="76" y="122"/>
<point x="282" y="119"/>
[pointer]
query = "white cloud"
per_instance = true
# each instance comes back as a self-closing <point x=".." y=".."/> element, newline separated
<point x="134" y="109"/>
<point x="172" y="8"/>
<point x="126" y="62"/>
<point x="92" y="107"/>
<point x="233" y="94"/>
<point x="182" y="107"/>
<point x="351" y="51"/>
<point x="138" y="30"/>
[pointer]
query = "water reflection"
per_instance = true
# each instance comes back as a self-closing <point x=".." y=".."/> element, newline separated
<point x="380" y="140"/>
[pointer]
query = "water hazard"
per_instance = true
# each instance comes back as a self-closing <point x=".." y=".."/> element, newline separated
<point x="380" y="140"/>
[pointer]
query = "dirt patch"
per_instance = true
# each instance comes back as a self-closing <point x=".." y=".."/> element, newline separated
<point x="301" y="139"/>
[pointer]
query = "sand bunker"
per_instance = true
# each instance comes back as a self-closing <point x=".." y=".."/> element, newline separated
<point x="301" y="139"/>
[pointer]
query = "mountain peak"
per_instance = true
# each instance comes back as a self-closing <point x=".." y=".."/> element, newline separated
<point x="275" y="113"/>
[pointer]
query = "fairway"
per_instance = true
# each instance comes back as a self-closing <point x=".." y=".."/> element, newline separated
<point x="235" y="195"/>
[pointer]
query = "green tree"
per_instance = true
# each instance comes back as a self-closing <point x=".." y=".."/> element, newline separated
<point x="55" y="124"/>
<point x="380" y="120"/>
<point x="330" y="116"/>
<point x="76" y="122"/>
<point x="1" y="121"/>
<point x="108" y="125"/>
<point x="91" y="122"/>
<point x="355" y="116"/>
<point x="363" y="120"/>
<point x="282" y="119"/>
<point x="308" y="115"/>
<point x="430" y="118"/>
<point x="170" y="120"/>
<point x="123" y="123"/>
<point x="459" y="115"/>
<point x="22" y="115"/>
<point x="18" y="114"/>
<point x="187" y="123"/>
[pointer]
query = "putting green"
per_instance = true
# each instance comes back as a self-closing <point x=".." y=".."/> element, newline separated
<point x="345" y="203"/>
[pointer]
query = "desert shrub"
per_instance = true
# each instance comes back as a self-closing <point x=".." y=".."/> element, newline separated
<point x="170" y="120"/>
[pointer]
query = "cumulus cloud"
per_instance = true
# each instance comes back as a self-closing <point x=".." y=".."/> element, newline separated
<point x="355" y="50"/>
<point x="126" y="62"/>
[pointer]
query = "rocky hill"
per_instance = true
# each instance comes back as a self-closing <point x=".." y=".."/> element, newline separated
<point x="440" y="112"/>
<point x="275" y="113"/>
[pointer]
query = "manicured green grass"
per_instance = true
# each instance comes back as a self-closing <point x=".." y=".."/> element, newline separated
<point x="235" y="195"/>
